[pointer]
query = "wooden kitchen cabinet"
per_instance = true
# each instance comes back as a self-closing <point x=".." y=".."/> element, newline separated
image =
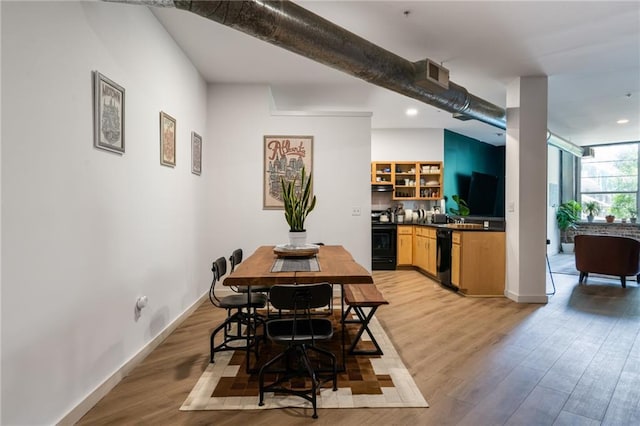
<point x="478" y="263"/>
<point x="429" y="180"/>
<point x="405" y="245"/>
<point x="455" y="258"/>
<point x="411" y="180"/>
<point x="420" y="248"/>
<point x="382" y="173"/>
<point x="424" y="249"/>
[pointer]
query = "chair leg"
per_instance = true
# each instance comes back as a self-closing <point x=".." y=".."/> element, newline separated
<point x="623" y="281"/>
<point x="583" y="277"/>
<point x="263" y="370"/>
<point x="238" y="319"/>
<point x="334" y="363"/>
<point x="314" y="381"/>
<point x="222" y="326"/>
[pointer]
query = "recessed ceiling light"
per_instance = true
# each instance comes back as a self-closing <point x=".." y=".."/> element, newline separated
<point x="411" y="112"/>
<point x="622" y="121"/>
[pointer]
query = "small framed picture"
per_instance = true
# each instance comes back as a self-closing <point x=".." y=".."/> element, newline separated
<point x="167" y="140"/>
<point x="196" y="153"/>
<point x="108" y="114"/>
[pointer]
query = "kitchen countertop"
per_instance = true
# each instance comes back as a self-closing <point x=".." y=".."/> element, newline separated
<point x="466" y="227"/>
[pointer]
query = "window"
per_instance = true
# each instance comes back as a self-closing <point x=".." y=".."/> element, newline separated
<point x="611" y="179"/>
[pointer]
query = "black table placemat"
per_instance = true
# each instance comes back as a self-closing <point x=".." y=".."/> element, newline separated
<point x="296" y="264"/>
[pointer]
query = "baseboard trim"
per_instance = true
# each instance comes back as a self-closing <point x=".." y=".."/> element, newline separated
<point x="527" y="299"/>
<point x="97" y="394"/>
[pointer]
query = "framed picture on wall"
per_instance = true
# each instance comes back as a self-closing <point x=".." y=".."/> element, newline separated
<point x="284" y="158"/>
<point x="108" y="114"/>
<point x="196" y="153"/>
<point x="167" y="140"/>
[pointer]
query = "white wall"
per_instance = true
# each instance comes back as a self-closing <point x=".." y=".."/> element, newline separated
<point x="239" y="118"/>
<point x="85" y="232"/>
<point x="407" y="144"/>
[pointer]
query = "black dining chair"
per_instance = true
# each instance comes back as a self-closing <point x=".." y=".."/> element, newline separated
<point x="242" y="321"/>
<point x="235" y="259"/>
<point x="300" y="334"/>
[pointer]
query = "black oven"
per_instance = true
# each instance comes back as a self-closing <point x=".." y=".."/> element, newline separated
<point x="383" y="246"/>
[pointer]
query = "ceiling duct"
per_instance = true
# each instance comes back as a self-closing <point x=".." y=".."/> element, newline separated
<point x="298" y="30"/>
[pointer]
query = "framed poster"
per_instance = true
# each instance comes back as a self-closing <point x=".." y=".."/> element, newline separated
<point x="108" y="114"/>
<point x="284" y="158"/>
<point x="167" y="140"/>
<point x="196" y="153"/>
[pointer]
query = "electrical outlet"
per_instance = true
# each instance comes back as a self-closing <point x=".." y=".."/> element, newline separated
<point x="355" y="211"/>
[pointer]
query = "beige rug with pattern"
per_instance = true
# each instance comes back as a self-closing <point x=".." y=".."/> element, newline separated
<point x="369" y="381"/>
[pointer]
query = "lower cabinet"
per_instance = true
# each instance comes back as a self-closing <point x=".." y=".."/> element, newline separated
<point x="425" y="249"/>
<point x="478" y="263"/>
<point x="404" y="252"/>
<point x="420" y="258"/>
<point x="455" y="258"/>
<point x="477" y="258"/>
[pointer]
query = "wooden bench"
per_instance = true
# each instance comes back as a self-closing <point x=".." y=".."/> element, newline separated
<point x="359" y="297"/>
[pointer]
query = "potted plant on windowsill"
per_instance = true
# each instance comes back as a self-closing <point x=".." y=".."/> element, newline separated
<point x="591" y="208"/>
<point x="298" y="203"/>
<point x="632" y="215"/>
<point x="567" y="216"/>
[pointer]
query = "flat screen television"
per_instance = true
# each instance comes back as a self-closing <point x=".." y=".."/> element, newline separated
<point x="482" y="194"/>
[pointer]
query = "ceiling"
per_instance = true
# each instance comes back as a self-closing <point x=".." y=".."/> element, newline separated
<point x="589" y="50"/>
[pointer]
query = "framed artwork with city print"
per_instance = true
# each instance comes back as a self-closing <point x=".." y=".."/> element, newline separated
<point x="284" y="158"/>
<point x="196" y="153"/>
<point x="167" y="140"/>
<point x="108" y="114"/>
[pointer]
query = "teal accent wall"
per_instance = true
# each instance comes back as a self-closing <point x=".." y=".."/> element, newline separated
<point x="464" y="155"/>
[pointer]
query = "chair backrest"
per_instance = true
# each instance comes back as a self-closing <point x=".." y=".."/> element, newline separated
<point x="301" y="296"/>
<point x="235" y="259"/>
<point x="219" y="270"/>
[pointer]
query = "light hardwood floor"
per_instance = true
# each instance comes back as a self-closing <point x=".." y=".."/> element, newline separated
<point x="487" y="361"/>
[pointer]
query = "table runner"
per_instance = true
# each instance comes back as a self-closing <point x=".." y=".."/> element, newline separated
<point x="296" y="264"/>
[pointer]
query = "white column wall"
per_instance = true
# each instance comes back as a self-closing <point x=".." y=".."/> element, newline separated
<point x="526" y="177"/>
<point x="239" y="118"/>
<point x="84" y="231"/>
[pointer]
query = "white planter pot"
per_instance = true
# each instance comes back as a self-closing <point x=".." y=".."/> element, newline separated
<point x="567" y="247"/>
<point x="297" y="238"/>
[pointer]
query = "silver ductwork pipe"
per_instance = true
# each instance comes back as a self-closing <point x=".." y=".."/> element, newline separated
<point x="298" y="30"/>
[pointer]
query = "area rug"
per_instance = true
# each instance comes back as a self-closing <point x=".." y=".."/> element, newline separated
<point x="369" y="381"/>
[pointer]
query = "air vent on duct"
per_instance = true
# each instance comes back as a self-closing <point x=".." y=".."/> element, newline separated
<point x="430" y="72"/>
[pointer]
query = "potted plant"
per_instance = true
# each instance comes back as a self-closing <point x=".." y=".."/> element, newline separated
<point x="632" y="215"/>
<point x="591" y="208"/>
<point x="567" y="216"/>
<point x="463" y="208"/>
<point x="297" y="206"/>
<point x="610" y="218"/>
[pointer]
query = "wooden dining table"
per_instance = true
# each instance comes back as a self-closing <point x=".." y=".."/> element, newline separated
<point x="336" y="266"/>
